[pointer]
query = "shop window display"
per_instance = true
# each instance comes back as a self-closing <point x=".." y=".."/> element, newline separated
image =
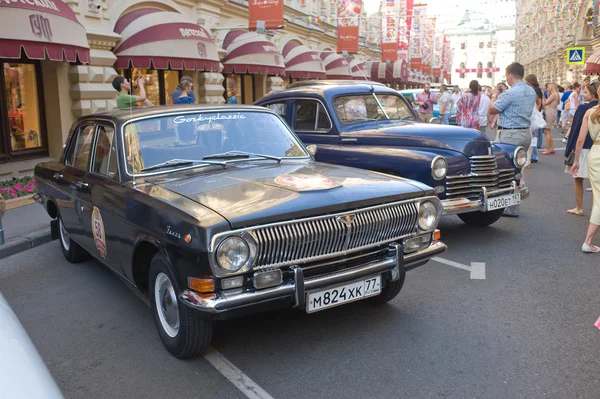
<point x="243" y="86"/>
<point x="159" y="84"/>
<point x="21" y="100"/>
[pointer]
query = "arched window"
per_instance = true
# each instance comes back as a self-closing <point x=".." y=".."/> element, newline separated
<point x="479" y="73"/>
<point x="462" y="66"/>
<point x="489" y="65"/>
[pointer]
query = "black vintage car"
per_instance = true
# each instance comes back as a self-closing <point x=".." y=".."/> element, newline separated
<point x="215" y="212"/>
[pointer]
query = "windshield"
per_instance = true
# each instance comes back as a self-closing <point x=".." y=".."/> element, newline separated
<point x="364" y="107"/>
<point x="207" y="135"/>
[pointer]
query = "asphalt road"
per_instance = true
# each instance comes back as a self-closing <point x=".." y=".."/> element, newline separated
<point x="526" y="331"/>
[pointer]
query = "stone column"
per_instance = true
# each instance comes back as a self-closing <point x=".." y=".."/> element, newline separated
<point x="210" y="88"/>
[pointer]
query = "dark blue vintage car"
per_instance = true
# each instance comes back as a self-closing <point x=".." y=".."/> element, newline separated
<point x="370" y="126"/>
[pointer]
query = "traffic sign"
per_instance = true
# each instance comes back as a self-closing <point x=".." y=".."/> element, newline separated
<point x="576" y="56"/>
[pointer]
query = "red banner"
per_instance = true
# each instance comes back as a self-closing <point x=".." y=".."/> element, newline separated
<point x="389" y="31"/>
<point x="349" y="12"/>
<point x="268" y="11"/>
<point x="477" y="70"/>
<point x="417" y="30"/>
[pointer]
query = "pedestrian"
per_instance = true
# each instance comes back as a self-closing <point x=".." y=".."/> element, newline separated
<point x="590" y="127"/>
<point x="515" y="107"/>
<point x="580" y="99"/>
<point x="456" y="95"/>
<point x="425" y="101"/>
<point x="233" y="98"/>
<point x="185" y="93"/>
<point x="484" y="104"/>
<point x="467" y="108"/>
<point x="561" y="91"/>
<point x="493" y="118"/>
<point x="551" y="108"/>
<point x="125" y="100"/>
<point x="564" y="118"/>
<point x="177" y="91"/>
<point x="573" y="103"/>
<point x="590" y="93"/>
<point x="532" y="153"/>
<point x="446" y="105"/>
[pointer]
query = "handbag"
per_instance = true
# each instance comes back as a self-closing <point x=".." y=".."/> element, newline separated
<point x="537" y="120"/>
<point x="570" y="159"/>
<point x="426" y="104"/>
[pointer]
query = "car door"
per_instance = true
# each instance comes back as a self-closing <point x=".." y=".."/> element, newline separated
<point x="313" y="125"/>
<point x="101" y="197"/>
<point x="71" y="179"/>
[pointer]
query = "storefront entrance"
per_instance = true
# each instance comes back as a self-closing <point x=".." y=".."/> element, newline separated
<point x="160" y="84"/>
<point x="21" y="111"/>
<point x="243" y="86"/>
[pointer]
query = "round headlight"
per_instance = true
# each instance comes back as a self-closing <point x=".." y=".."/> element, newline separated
<point x="439" y="167"/>
<point x="520" y="157"/>
<point x="233" y="253"/>
<point x="428" y="215"/>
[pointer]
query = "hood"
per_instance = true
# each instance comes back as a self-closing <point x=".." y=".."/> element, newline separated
<point x="414" y="134"/>
<point x="263" y="192"/>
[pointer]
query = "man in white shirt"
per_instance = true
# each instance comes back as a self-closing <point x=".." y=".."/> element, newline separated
<point x="456" y="94"/>
<point x="446" y="105"/>
<point x="484" y="104"/>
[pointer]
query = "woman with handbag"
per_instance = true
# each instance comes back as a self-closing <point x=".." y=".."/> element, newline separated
<point x="590" y="95"/>
<point x="591" y="124"/>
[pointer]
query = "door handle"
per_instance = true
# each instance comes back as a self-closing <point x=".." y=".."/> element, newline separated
<point x="81" y="185"/>
<point x="57" y="176"/>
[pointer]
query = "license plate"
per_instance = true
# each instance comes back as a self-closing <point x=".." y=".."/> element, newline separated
<point x="503" y="202"/>
<point x="339" y="295"/>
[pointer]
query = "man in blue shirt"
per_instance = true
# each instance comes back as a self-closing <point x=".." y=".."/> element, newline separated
<point x="515" y="107"/>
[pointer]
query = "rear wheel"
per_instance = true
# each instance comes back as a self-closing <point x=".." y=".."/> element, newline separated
<point x="389" y="292"/>
<point x="481" y="219"/>
<point x="72" y="251"/>
<point x="183" y="332"/>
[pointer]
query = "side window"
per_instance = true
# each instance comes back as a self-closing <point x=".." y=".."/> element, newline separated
<point x="278" y="108"/>
<point x="311" y="116"/>
<point x="81" y="147"/>
<point x="105" y="153"/>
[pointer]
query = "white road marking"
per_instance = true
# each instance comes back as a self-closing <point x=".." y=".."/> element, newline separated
<point x="235" y="375"/>
<point x="476" y="270"/>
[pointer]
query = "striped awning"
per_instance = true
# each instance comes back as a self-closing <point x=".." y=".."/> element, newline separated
<point x="152" y="38"/>
<point x="250" y="52"/>
<point x="389" y="72"/>
<point x="592" y="66"/>
<point x="42" y="30"/>
<point x="302" y="62"/>
<point x="359" y="70"/>
<point x="336" y="66"/>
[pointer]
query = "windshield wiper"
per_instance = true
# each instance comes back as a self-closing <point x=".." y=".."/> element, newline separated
<point x="241" y="155"/>
<point x="180" y="162"/>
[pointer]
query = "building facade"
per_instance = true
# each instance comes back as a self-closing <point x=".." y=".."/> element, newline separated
<point x="77" y="48"/>
<point x="482" y="50"/>
<point x="546" y="28"/>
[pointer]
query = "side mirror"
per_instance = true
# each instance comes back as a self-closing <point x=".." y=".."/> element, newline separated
<point x="312" y="149"/>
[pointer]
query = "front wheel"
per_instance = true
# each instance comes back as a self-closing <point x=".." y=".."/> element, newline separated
<point x="389" y="292"/>
<point x="183" y="332"/>
<point x="481" y="219"/>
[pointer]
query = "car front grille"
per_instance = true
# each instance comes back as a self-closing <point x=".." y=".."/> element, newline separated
<point x="484" y="173"/>
<point x="312" y="239"/>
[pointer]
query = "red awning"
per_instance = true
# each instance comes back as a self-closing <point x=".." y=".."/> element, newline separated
<point x="592" y="66"/>
<point x="359" y="70"/>
<point x="250" y="52"/>
<point x="153" y="38"/>
<point x="302" y="62"/>
<point x="336" y="66"/>
<point x="42" y="29"/>
<point x="393" y="72"/>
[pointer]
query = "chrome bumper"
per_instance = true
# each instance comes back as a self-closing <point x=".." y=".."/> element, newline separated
<point x="464" y="205"/>
<point x="295" y="289"/>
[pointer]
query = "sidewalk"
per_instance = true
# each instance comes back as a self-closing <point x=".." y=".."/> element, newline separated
<point x="24" y="228"/>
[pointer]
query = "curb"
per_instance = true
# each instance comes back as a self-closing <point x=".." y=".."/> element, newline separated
<point x="19" y="202"/>
<point x="16" y="245"/>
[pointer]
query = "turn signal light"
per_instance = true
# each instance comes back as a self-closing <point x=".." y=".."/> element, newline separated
<point x="437" y="234"/>
<point x="201" y="284"/>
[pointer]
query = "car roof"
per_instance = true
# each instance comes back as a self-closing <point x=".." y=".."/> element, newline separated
<point x="124" y="115"/>
<point x="331" y="82"/>
<point x="331" y="89"/>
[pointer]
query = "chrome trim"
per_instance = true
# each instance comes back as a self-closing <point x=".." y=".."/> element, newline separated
<point x="433" y="161"/>
<point x="515" y="157"/>
<point x="296" y="289"/>
<point x="294" y="242"/>
<point x="220" y="271"/>
<point x="457" y="206"/>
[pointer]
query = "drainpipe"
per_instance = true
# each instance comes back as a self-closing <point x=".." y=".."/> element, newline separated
<point x="2" y="209"/>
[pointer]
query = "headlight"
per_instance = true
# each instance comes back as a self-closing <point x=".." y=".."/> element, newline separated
<point x="439" y="167"/>
<point x="233" y="253"/>
<point x="428" y="216"/>
<point x="520" y="157"/>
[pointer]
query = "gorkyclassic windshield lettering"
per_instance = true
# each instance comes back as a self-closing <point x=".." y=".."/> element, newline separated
<point x="220" y="212"/>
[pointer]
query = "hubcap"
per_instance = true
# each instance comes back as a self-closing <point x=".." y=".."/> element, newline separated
<point x="64" y="238"/>
<point x="165" y="299"/>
